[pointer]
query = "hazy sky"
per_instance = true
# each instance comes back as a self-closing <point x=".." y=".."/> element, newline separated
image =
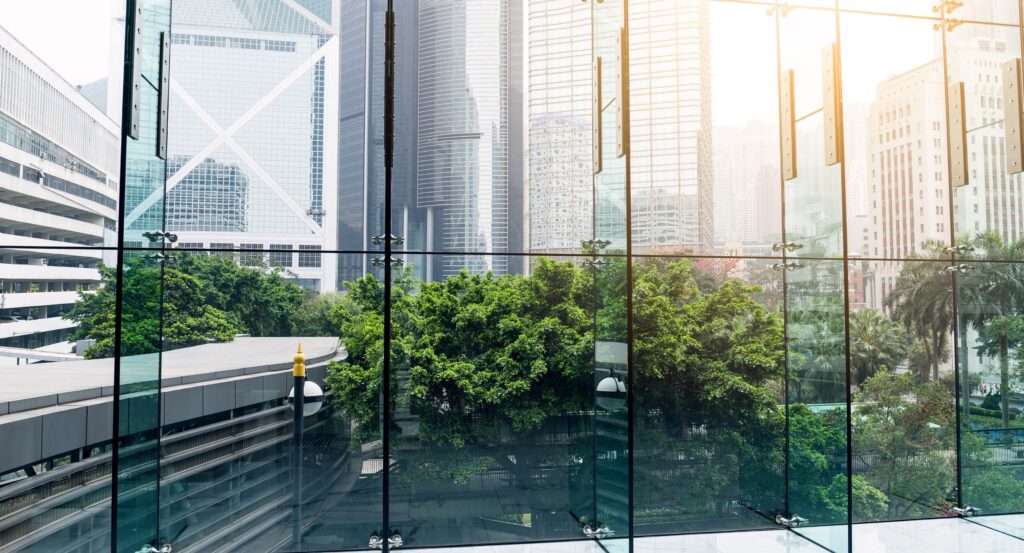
<point x="71" y="36"/>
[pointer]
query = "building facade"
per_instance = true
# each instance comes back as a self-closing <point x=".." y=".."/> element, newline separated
<point x="58" y="189"/>
<point x="252" y="155"/>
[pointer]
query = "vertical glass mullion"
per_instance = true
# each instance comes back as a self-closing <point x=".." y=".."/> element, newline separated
<point x="137" y="415"/>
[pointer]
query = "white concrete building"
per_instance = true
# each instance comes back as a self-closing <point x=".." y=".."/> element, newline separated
<point x="58" y="197"/>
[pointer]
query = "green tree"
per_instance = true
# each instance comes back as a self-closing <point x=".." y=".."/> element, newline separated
<point x="902" y="431"/>
<point x="876" y="344"/>
<point x="922" y="300"/>
<point x="998" y="337"/>
<point x="195" y="300"/>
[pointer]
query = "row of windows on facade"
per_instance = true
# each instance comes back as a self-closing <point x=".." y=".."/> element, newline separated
<point x="56" y="183"/>
<point x="233" y="42"/>
<point x="281" y="255"/>
<point x="27" y="97"/>
<point x="27" y="140"/>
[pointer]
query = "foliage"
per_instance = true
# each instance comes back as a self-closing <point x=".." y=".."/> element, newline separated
<point x="902" y="432"/>
<point x="877" y="344"/>
<point x="198" y="299"/>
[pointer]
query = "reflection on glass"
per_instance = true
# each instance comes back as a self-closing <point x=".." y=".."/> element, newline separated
<point x="903" y="412"/>
<point x="990" y="333"/>
<point x="492" y="426"/>
<point x="710" y="420"/>
<point x="817" y="408"/>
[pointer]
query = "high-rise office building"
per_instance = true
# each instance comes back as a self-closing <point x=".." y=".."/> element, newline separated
<point x="58" y="189"/>
<point x="469" y="137"/>
<point x="670" y="126"/>
<point x="260" y="143"/>
<point x="457" y="183"/>
<point x="560" y="125"/>
<point x="671" y="175"/>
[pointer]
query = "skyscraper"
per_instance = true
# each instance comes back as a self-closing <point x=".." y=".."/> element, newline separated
<point x="58" y="189"/>
<point x="469" y="132"/>
<point x="670" y="131"/>
<point x="268" y="134"/>
<point x="559" y="123"/>
<point x="457" y="178"/>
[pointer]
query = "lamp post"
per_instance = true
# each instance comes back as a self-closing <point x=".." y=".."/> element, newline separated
<point x="298" y="405"/>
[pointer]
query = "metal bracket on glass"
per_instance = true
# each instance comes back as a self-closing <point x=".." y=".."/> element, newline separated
<point x="967" y="511"/>
<point x="831" y="105"/>
<point x="380" y="239"/>
<point x="596" y="123"/>
<point x="162" y="258"/>
<point x="379" y="262"/>
<point x="961" y="268"/>
<point x="1013" y="101"/>
<point x="959" y="249"/>
<point x="788" y="246"/>
<point x="790" y="522"/>
<point x="787" y="109"/>
<point x="156" y="236"/>
<point x="597" y="244"/>
<point x="957" y="135"/>
<point x="781" y="7"/>
<point x="948" y="24"/>
<point x="946" y="6"/>
<point x="394" y="541"/>
<point x="135" y="28"/>
<point x="622" y="95"/>
<point x="150" y="549"/>
<point x="164" y="100"/>
<point x="602" y="531"/>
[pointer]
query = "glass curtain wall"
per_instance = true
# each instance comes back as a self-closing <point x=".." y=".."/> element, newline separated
<point x="602" y="272"/>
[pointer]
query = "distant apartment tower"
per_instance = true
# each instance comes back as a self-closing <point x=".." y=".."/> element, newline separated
<point x="457" y="181"/>
<point x="559" y="122"/>
<point x="252" y="148"/>
<point x="907" y="188"/>
<point x="670" y="132"/>
<point x="991" y="201"/>
<point x="58" y="189"/>
<point x="469" y="150"/>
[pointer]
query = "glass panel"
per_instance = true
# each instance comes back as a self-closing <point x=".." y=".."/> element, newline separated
<point x="904" y="414"/>
<point x="138" y="379"/>
<point x="710" y="416"/>
<point x="817" y="407"/>
<point x="670" y="133"/>
<point x="747" y="217"/>
<point x="988" y="208"/>
<point x="895" y="144"/>
<point x="226" y="472"/>
<point x="459" y="173"/>
<point x="993" y="11"/>
<point x="253" y="154"/>
<point x="813" y="199"/>
<point x="611" y="521"/>
<point x="492" y="391"/>
<point x="55" y="404"/>
<point x="988" y="340"/>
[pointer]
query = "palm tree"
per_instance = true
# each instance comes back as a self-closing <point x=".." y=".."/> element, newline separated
<point x="989" y="300"/>
<point x="922" y="299"/>
<point x="876" y="343"/>
<point x="997" y="337"/>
